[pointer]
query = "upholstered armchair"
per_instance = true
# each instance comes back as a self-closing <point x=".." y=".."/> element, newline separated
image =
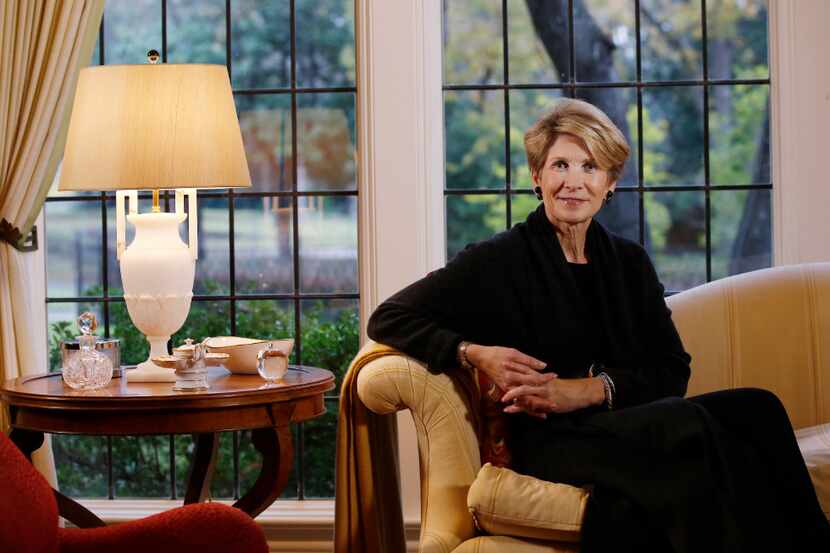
<point x="29" y="521"/>
<point x="768" y="329"/>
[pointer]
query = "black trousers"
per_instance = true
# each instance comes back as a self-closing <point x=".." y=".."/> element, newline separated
<point x="711" y="473"/>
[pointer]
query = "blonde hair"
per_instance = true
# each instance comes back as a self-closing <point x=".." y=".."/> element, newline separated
<point x="604" y="141"/>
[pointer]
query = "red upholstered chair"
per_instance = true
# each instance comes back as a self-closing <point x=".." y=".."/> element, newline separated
<point x="29" y="521"/>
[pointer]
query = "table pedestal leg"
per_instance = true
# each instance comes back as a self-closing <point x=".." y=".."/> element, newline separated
<point x="201" y="470"/>
<point x="277" y="449"/>
<point x="28" y="441"/>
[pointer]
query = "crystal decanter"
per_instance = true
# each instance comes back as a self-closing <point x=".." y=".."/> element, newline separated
<point x="87" y="369"/>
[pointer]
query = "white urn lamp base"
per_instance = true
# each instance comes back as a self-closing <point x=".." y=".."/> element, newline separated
<point x="147" y="371"/>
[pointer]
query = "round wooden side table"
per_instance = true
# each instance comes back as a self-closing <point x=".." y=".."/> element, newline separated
<point x="43" y="404"/>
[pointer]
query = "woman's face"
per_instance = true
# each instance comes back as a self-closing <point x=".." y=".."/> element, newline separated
<point x="573" y="187"/>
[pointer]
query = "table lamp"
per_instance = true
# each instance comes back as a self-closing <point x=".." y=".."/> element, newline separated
<point x="155" y="126"/>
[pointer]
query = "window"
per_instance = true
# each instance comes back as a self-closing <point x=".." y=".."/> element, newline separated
<point x="687" y="81"/>
<point x="276" y="260"/>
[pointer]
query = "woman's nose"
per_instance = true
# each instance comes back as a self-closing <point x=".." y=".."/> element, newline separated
<point x="573" y="180"/>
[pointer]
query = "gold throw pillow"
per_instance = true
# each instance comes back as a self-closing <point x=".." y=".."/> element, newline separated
<point x="505" y="503"/>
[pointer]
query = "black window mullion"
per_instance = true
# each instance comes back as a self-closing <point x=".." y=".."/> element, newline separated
<point x="640" y="150"/>
<point x="228" y="48"/>
<point x="163" y="31"/>
<point x="232" y="243"/>
<point x="236" y="490"/>
<point x="105" y="283"/>
<point x="110" y="478"/>
<point x="508" y="211"/>
<point x="105" y="289"/>
<point x="101" y="40"/>
<point x="571" y="51"/>
<point x="295" y="228"/>
<point x="171" y="440"/>
<point x="707" y="207"/>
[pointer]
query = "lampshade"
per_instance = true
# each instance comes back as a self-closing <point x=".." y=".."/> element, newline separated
<point x="154" y="126"/>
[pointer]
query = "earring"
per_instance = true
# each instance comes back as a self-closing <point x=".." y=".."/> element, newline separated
<point x="609" y="196"/>
<point x="538" y="191"/>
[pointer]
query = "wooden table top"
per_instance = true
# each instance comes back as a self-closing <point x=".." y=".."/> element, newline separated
<point x="48" y="391"/>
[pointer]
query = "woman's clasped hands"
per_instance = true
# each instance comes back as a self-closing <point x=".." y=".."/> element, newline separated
<point x="527" y="390"/>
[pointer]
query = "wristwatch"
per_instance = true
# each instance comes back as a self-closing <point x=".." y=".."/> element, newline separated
<point x="461" y="355"/>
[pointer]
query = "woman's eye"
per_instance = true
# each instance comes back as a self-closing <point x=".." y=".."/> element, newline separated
<point x="560" y="165"/>
<point x="589" y="167"/>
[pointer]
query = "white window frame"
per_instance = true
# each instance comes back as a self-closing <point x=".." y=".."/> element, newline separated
<point x="401" y="228"/>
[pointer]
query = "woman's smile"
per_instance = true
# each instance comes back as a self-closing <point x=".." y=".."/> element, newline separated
<point x="571" y="202"/>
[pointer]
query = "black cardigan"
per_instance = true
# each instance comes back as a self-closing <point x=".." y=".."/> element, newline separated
<point x="516" y="290"/>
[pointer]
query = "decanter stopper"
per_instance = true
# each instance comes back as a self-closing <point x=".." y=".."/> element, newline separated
<point x="88" y="369"/>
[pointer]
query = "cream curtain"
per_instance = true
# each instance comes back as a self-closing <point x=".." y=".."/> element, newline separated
<point x="43" y="45"/>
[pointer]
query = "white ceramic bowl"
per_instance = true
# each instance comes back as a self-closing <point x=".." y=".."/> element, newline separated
<point x="243" y="351"/>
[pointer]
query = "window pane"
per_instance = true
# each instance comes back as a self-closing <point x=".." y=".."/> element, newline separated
<point x="206" y="318"/>
<point x="260" y="44"/>
<point x="737" y="34"/>
<point x="196" y="31"/>
<point x="474" y="139"/>
<point x="739" y="134"/>
<point x="606" y="45"/>
<point x="184" y="452"/>
<point x="265" y="121"/>
<point x="534" y="60"/>
<point x="620" y="104"/>
<point x="133" y="346"/>
<point x="622" y="215"/>
<point x="471" y="218"/>
<point x="326" y="141"/>
<point x="131" y="29"/>
<point x="62" y="324"/>
<point x="96" y="54"/>
<point x="221" y="487"/>
<point x="115" y="286"/>
<point x="141" y="466"/>
<point x="673" y="135"/>
<point x="677" y="237"/>
<point x="266" y="320"/>
<point x="73" y="249"/>
<point x="472" y="42"/>
<point x="522" y="205"/>
<point x="328" y="244"/>
<point x="671" y="34"/>
<point x="264" y="245"/>
<point x="741" y="231"/>
<point x="213" y="264"/>
<point x="330" y="330"/>
<point x="325" y="43"/>
<point x="80" y="463"/>
<point x="320" y="440"/>
<point x="526" y="107"/>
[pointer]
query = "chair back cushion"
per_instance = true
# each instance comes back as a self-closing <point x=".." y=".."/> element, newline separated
<point x="28" y="511"/>
<point x="768" y="329"/>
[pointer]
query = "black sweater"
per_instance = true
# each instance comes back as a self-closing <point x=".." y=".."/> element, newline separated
<point x="517" y="290"/>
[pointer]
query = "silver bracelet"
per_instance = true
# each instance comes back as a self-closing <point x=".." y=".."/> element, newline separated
<point x="461" y="355"/>
<point x="608" y="384"/>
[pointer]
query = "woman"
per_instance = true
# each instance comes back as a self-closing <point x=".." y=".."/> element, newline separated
<point x="570" y="322"/>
